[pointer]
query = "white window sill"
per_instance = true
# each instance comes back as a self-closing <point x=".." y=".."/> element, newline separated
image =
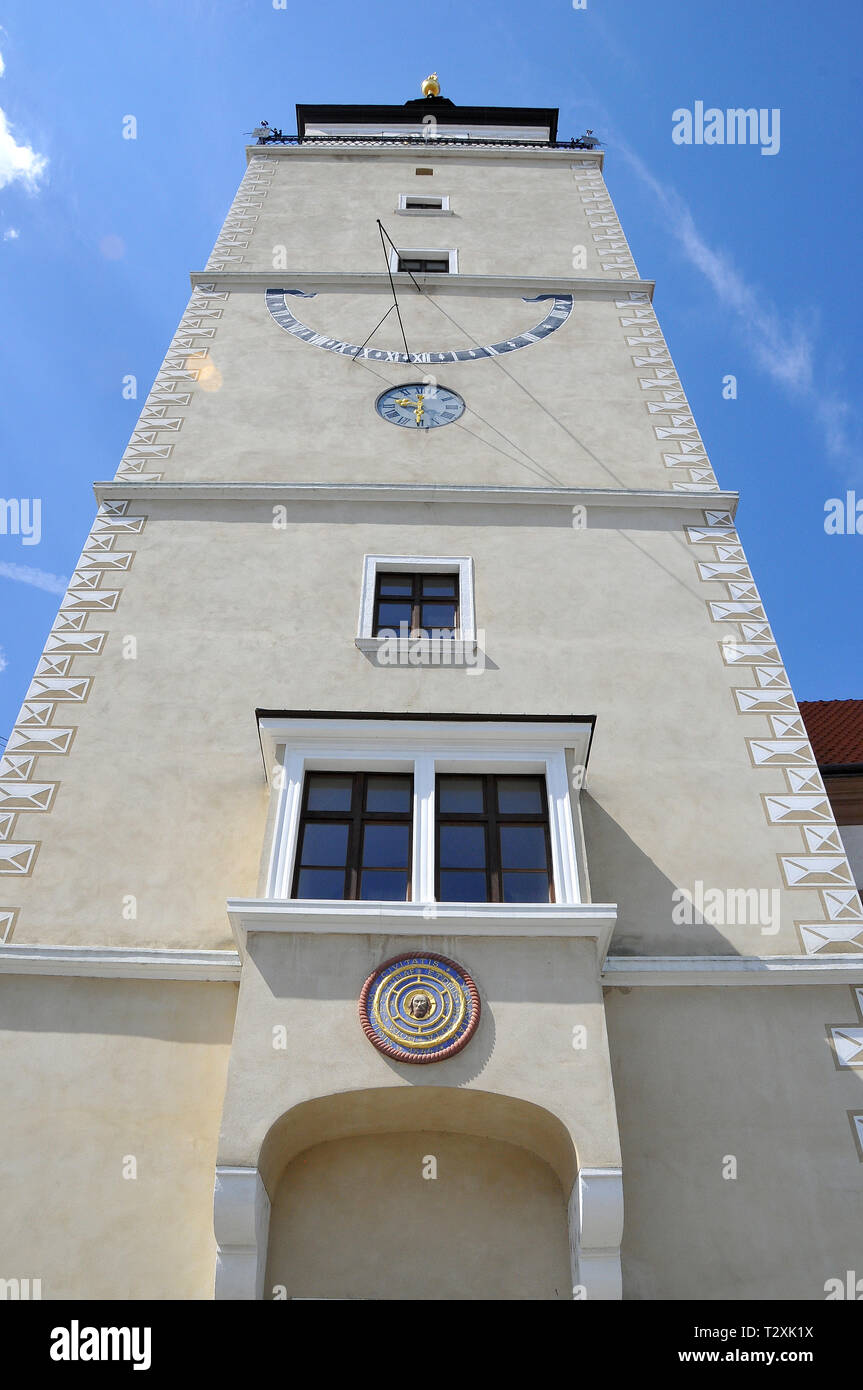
<point x="424" y="212"/>
<point x="594" y="921"/>
<point x="419" y="651"/>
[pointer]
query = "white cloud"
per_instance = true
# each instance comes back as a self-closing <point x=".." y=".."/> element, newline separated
<point x="40" y="579"/>
<point x="783" y="348"/>
<point x="11" y="234"/>
<point x="17" y="161"/>
<point x="3" y="662"/>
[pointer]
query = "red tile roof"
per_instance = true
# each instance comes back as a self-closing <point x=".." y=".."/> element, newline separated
<point x="835" y="729"/>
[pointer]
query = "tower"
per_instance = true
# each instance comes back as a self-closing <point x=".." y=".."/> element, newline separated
<point x="409" y="835"/>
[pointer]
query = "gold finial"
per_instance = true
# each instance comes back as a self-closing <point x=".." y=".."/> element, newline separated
<point x="431" y="86"/>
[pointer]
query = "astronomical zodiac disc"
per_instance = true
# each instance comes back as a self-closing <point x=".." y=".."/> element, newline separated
<point x="419" y="1008"/>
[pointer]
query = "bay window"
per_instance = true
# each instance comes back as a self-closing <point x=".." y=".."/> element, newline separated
<point x="477" y="811"/>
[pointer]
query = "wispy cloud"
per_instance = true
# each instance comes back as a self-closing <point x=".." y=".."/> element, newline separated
<point x="39" y="579"/>
<point x="11" y="234"/>
<point x="3" y="662"/>
<point x="17" y="162"/>
<point x="784" y="348"/>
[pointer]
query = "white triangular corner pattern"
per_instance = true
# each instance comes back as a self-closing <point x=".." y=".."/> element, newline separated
<point x="34" y="733"/>
<point x="17" y="859"/>
<point x="816" y="870"/>
<point x="842" y="904"/>
<point x="848" y="1046"/>
<point x="825" y="938"/>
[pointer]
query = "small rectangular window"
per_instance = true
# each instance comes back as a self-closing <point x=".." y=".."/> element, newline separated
<point x="355" y="836"/>
<point x="493" y="839"/>
<point x="420" y="202"/>
<point x="424" y="265"/>
<point x="424" y="260"/>
<point x="424" y="171"/>
<point x="416" y="605"/>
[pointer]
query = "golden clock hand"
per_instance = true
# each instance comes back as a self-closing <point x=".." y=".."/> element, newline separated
<point x="417" y="406"/>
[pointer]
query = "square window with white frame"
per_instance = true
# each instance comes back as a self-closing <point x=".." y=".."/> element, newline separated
<point x="404" y="597"/>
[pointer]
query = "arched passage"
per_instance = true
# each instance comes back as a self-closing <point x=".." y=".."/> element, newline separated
<point x="418" y="1194"/>
<point x="414" y="1192"/>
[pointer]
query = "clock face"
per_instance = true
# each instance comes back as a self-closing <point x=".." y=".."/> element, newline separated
<point x="419" y="406"/>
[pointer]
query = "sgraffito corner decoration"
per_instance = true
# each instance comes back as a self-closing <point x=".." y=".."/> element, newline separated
<point x="419" y="1008"/>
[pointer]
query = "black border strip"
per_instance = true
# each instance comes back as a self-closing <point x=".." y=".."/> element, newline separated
<point x="440" y="107"/>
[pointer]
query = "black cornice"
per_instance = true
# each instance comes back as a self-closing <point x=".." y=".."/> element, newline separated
<point x="441" y="107"/>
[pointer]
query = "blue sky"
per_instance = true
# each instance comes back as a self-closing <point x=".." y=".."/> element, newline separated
<point x="755" y="256"/>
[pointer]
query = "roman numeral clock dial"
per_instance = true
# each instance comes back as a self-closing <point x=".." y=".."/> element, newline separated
<point x="557" y="315"/>
<point x="419" y="406"/>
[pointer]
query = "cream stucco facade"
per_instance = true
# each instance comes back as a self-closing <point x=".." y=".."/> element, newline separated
<point x="662" y="1098"/>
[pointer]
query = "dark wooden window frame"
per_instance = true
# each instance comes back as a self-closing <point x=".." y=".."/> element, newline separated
<point x="416" y="599"/>
<point x="356" y="819"/>
<point x="492" y="819"/>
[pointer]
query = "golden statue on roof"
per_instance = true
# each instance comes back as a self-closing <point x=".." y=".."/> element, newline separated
<point x="431" y="86"/>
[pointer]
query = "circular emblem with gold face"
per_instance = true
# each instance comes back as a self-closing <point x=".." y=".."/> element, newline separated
<point x="419" y="1008"/>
